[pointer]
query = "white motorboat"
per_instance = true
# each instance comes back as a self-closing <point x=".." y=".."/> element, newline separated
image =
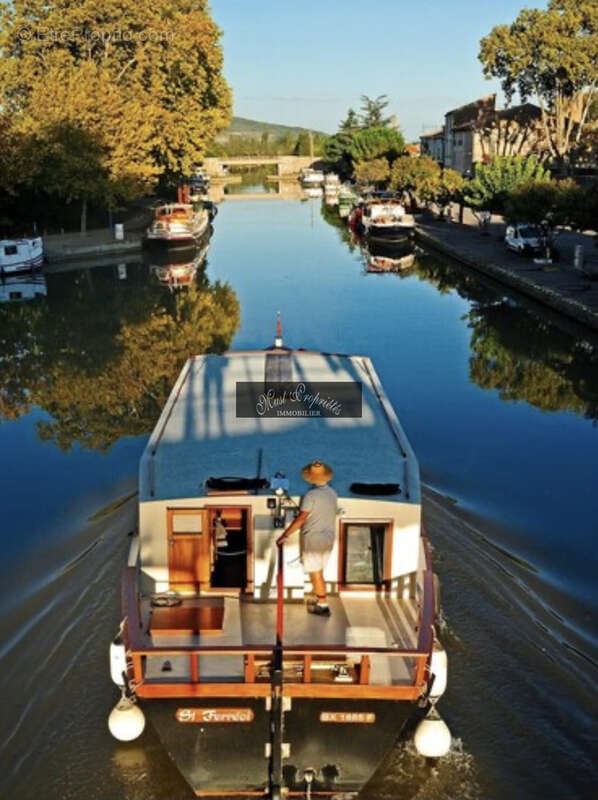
<point x="20" y="255"/>
<point x="250" y="694"/>
<point x="178" y="223"/>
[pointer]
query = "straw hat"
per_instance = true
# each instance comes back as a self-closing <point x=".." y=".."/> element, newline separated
<point x="317" y="472"/>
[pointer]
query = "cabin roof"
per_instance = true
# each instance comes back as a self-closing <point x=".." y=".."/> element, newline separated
<point x="199" y="435"/>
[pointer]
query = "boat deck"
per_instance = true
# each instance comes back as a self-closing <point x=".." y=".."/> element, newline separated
<point x="358" y="621"/>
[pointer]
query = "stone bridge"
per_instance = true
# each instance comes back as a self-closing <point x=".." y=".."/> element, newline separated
<point x="282" y="166"/>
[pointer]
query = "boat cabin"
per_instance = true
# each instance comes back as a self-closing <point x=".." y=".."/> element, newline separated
<point x="219" y="481"/>
<point x="182" y="212"/>
<point x="19" y="255"/>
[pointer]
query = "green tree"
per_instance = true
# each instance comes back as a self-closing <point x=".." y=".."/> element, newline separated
<point x="450" y="188"/>
<point x="303" y="144"/>
<point x="351" y="121"/>
<point x="376" y="171"/>
<point x="372" y="111"/>
<point x="143" y="79"/>
<point x="551" y="55"/>
<point x="376" y="142"/>
<point x="419" y="178"/>
<point x="492" y="183"/>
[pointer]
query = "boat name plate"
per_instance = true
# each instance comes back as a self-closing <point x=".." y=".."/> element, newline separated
<point x="208" y="715"/>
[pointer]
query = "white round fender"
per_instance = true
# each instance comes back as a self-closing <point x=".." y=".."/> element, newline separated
<point x="126" y="721"/>
<point x="432" y="737"/>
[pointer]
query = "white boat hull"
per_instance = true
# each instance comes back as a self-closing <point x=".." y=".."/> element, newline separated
<point x="21" y="255"/>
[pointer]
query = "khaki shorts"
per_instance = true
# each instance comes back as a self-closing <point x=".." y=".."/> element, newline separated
<point x="315" y="562"/>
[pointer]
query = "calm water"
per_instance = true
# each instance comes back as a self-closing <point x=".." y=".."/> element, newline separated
<point x="499" y="398"/>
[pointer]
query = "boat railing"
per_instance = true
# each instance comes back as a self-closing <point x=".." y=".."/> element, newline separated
<point x="308" y="670"/>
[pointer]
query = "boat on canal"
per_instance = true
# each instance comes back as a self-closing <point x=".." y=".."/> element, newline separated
<point x="384" y="218"/>
<point x="311" y="177"/>
<point x="21" y="255"/>
<point x="251" y="695"/>
<point x="178" y="224"/>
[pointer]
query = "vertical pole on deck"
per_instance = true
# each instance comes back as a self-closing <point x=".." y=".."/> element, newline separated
<point x="280" y="599"/>
<point x="276" y="706"/>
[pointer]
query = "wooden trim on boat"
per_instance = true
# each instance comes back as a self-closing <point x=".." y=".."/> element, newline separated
<point x="139" y="646"/>
<point x="331" y="691"/>
<point x="226" y="793"/>
<point x="249" y="793"/>
<point x="155" y="690"/>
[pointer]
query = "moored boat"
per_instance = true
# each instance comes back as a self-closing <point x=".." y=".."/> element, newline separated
<point x="20" y="255"/>
<point x="250" y="694"/>
<point x="311" y="177"/>
<point x="382" y="218"/>
<point x="178" y="223"/>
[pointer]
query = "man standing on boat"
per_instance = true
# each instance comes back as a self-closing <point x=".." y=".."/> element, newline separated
<point x="317" y="521"/>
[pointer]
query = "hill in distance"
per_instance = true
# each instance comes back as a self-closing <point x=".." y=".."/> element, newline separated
<point x="251" y="127"/>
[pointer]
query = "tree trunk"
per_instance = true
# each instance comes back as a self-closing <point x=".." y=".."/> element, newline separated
<point x="84" y="215"/>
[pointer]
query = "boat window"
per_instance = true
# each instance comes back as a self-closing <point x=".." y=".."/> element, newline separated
<point x="10" y="250"/>
<point x="187" y="524"/>
<point x="364" y="553"/>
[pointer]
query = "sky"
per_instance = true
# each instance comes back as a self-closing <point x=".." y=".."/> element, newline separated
<point x="305" y="63"/>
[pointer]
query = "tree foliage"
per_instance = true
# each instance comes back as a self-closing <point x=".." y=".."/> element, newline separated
<point x="376" y="171"/>
<point x="364" y="137"/>
<point x="372" y="111"/>
<point x="562" y="202"/>
<point x="100" y="356"/>
<point x="347" y="149"/>
<point x="376" y="142"/>
<point x="423" y="180"/>
<point x="551" y="55"/>
<point x="351" y="121"/>
<point x="492" y="183"/>
<point x="139" y="82"/>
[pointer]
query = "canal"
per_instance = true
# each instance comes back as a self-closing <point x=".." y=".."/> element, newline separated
<point x="499" y="399"/>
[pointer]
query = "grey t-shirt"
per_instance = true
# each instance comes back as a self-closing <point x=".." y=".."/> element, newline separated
<point x="317" y="531"/>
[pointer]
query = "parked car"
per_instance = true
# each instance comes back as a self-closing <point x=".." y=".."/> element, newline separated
<point x="524" y="239"/>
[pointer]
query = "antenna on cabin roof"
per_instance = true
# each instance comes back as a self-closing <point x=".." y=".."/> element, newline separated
<point x="278" y="340"/>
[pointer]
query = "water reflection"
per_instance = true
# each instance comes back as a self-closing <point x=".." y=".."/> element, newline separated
<point x="388" y="256"/>
<point x="255" y="182"/>
<point x="524" y="353"/>
<point x="179" y="267"/>
<point x="101" y="352"/>
<point x="26" y="286"/>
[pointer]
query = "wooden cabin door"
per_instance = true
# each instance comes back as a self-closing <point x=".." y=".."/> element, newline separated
<point x="189" y="548"/>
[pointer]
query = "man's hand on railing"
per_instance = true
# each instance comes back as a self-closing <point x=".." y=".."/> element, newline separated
<point x="294" y="526"/>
